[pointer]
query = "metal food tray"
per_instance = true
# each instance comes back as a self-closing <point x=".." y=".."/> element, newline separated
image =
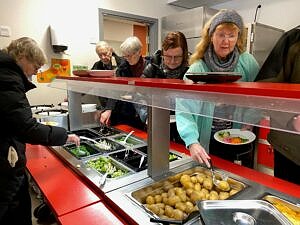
<point x="86" y="133"/>
<point x="106" y="131"/>
<point x="131" y="158"/>
<point x="115" y="145"/>
<point x="137" y="142"/>
<point x="139" y="196"/>
<point x="114" y="163"/>
<point x="243" y="212"/>
<point x="95" y="151"/>
<point x="292" y="211"/>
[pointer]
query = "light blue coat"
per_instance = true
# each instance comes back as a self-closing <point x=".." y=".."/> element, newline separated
<point x="197" y="129"/>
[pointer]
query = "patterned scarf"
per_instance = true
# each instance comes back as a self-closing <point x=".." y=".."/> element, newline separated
<point x="217" y="65"/>
<point x="177" y="73"/>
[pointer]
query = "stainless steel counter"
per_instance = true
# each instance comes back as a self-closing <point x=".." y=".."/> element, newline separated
<point x="122" y="198"/>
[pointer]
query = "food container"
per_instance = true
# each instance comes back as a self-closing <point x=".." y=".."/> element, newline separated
<point x="243" y="212"/>
<point x="172" y="155"/>
<point x="103" y="163"/>
<point x="85" y="150"/>
<point x="136" y="159"/>
<point x="106" y="131"/>
<point x="131" y="158"/>
<point x="288" y="209"/>
<point x="107" y="145"/>
<point x="130" y="142"/>
<point x="53" y="117"/>
<point x="161" y="198"/>
<point x="86" y="133"/>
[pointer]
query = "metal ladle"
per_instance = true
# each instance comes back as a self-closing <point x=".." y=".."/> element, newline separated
<point x="212" y="170"/>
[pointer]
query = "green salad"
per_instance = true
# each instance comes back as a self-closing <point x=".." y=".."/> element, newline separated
<point x="102" y="164"/>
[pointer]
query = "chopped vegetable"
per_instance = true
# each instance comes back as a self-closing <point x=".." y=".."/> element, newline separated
<point x="102" y="164"/>
<point x="80" y="151"/>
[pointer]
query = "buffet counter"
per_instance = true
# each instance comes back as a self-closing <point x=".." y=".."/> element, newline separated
<point x="74" y="201"/>
<point x="126" y="196"/>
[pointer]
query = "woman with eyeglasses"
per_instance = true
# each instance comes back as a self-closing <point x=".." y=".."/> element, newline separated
<point x="172" y="60"/>
<point x="221" y="49"/>
<point x="120" y="112"/>
<point x="18" y="62"/>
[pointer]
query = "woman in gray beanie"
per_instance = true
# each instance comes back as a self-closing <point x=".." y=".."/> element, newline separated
<point x="221" y="49"/>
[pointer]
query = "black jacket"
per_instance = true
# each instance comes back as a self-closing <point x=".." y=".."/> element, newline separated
<point x="275" y="62"/>
<point x="99" y="65"/>
<point x="154" y="69"/>
<point x="123" y="112"/>
<point x="18" y="127"/>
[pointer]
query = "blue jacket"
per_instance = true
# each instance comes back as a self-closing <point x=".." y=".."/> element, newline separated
<point x="197" y="129"/>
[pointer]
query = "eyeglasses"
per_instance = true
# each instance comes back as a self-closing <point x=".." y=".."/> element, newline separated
<point x="130" y="56"/>
<point x="223" y="37"/>
<point x="175" y="58"/>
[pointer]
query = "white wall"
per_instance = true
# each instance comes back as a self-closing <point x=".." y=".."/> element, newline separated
<point x="282" y="14"/>
<point x="80" y="22"/>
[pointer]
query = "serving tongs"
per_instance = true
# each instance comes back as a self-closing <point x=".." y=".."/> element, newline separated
<point x="89" y="139"/>
<point x="109" y="170"/>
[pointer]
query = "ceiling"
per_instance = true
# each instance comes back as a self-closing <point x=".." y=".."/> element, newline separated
<point x="189" y="4"/>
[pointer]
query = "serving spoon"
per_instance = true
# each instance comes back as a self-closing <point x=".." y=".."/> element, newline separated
<point x="127" y="136"/>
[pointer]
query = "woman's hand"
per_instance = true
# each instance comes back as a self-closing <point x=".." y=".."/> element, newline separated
<point x="105" y="117"/>
<point x="199" y="154"/>
<point x="74" y="138"/>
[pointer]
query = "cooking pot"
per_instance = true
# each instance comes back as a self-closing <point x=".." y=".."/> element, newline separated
<point x="53" y="117"/>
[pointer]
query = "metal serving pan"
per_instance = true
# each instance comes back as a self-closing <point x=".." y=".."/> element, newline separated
<point x="241" y="212"/>
<point x="158" y="192"/>
<point x="288" y="209"/>
<point x="132" y="141"/>
<point x="102" y="163"/>
<point x="106" y="131"/>
<point x="89" y="151"/>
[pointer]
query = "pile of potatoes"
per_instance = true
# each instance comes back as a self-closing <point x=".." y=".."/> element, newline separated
<point x="176" y="197"/>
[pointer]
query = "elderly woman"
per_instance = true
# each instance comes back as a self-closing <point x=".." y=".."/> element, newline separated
<point x="172" y="60"/>
<point x="119" y="112"/>
<point x="106" y="55"/>
<point x="18" y="62"/>
<point x="220" y="49"/>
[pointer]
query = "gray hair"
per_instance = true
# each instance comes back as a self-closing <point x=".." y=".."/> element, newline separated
<point x="131" y="45"/>
<point x="102" y="45"/>
<point x="28" y="48"/>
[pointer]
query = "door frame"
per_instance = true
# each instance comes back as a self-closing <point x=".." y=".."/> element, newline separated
<point x="152" y="22"/>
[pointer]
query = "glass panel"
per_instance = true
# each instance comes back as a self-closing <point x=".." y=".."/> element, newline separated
<point x="240" y="108"/>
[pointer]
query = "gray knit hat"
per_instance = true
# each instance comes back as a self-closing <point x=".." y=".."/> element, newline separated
<point x="226" y="16"/>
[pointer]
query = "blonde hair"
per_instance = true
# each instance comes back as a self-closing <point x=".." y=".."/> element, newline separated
<point x="28" y="48"/>
<point x="205" y="41"/>
<point x="131" y="45"/>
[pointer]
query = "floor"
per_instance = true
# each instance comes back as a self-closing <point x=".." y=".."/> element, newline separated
<point x="36" y="200"/>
